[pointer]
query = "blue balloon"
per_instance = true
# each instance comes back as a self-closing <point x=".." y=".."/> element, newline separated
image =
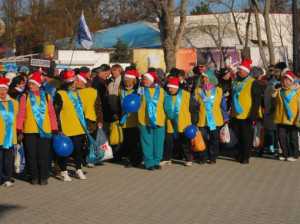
<point x="131" y="103"/>
<point x="62" y="145"/>
<point x="190" y="131"/>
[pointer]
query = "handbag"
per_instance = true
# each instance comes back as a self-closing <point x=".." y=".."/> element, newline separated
<point x="198" y="144"/>
<point x="116" y="133"/>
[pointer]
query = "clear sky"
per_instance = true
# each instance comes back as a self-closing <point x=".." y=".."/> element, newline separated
<point x="238" y="3"/>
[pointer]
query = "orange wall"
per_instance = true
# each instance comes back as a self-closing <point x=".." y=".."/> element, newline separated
<point x="186" y="59"/>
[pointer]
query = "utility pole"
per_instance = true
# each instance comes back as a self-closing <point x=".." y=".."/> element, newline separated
<point x="296" y="36"/>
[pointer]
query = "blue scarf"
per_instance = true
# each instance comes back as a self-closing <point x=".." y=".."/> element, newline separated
<point x="237" y="89"/>
<point x="76" y="101"/>
<point x="209" y="104"/>
<point x="172" y="110"/>
<point x="151" y="104"/>
<point x="8" y="118"/>
<point x="286" y="100"/>
<point x="39" y="112"/>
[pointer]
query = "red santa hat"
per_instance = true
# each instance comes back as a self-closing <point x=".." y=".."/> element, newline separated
<point x="4" y="82"/>
<point x="83" y="76"/>
<point x="132" y="74"/>
<point x="246" y="65"/>
<point x="36" y="78"/>
<point x="173" y="82"/>
<point x="151" y="76"/>
<point x="68" y="76"/>
<point x="290" y="75"/>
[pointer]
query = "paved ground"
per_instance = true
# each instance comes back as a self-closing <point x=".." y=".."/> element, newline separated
<point x="266" y="191"/>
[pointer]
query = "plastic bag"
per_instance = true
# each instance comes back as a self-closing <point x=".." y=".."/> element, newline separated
<point x="19" y="158"/>
<point x="232" y="140"/>
<point x="225" y="134"/>
<point x="95" y="154"/>
<point x="116" y="133"/>
<point x="108" y="152"/>
<point x="258" y="136"/>
<point x="198" y="144"/>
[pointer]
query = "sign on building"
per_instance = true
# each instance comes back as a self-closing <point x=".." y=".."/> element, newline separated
<point x="40" y="63"/>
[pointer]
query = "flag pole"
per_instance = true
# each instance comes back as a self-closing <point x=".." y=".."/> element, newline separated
<point x="75" y="38"/>
<point x="74" y="46"/>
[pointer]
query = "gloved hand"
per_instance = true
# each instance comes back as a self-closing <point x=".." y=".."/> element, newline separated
<point x="55" y="132"/>
<point x="20" y="136"/>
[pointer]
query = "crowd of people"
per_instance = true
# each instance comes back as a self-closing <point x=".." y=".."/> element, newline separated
<point x="35" y="105"/>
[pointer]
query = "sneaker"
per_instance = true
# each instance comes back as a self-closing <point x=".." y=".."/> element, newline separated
<point x="188" y="163"/>
<point x="151" y="168"/>
<point x="291" y="159"/>
<point x="90" y="165"/>
<point x="158" y="167"/>
<point x="8" y="184"/>
<point x="80" y="174"/>
<point x="65" y="175"/>
<point x="281" y="158"/>
<point x="165" y="163"/>
<point x="44" y="182"/>
<point x="34" y="182"/>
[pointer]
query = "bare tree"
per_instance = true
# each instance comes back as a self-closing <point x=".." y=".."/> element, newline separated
<point x="282" y="30"/>
<point x="218" y="33"/>
<point x="170" y="36"/>
<point x="11" y="10"/>
<point x="245" y="53"/>
<point x="256" y="10"/>
<point x="230" y="5"/>
<point x="266" y="15"/>
<point x="296" y="36"/>
<point x="115" y="12"/>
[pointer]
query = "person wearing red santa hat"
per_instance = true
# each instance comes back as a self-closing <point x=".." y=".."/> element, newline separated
<point x="129" y="121"/>
<point x="243" y="116"/>
<point x="37" y="123"/>
<point x="177" y="109"/>
<point x="71" y="122"/>
<point x="8" y="136"/>
<point x="287" y="116"/>
<point x="151" y="117"/>
<point x="212" y="113"/>
<point x="91" y="104"/>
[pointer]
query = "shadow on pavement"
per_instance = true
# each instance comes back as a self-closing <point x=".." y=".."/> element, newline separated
<point x="6" y="208"/>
